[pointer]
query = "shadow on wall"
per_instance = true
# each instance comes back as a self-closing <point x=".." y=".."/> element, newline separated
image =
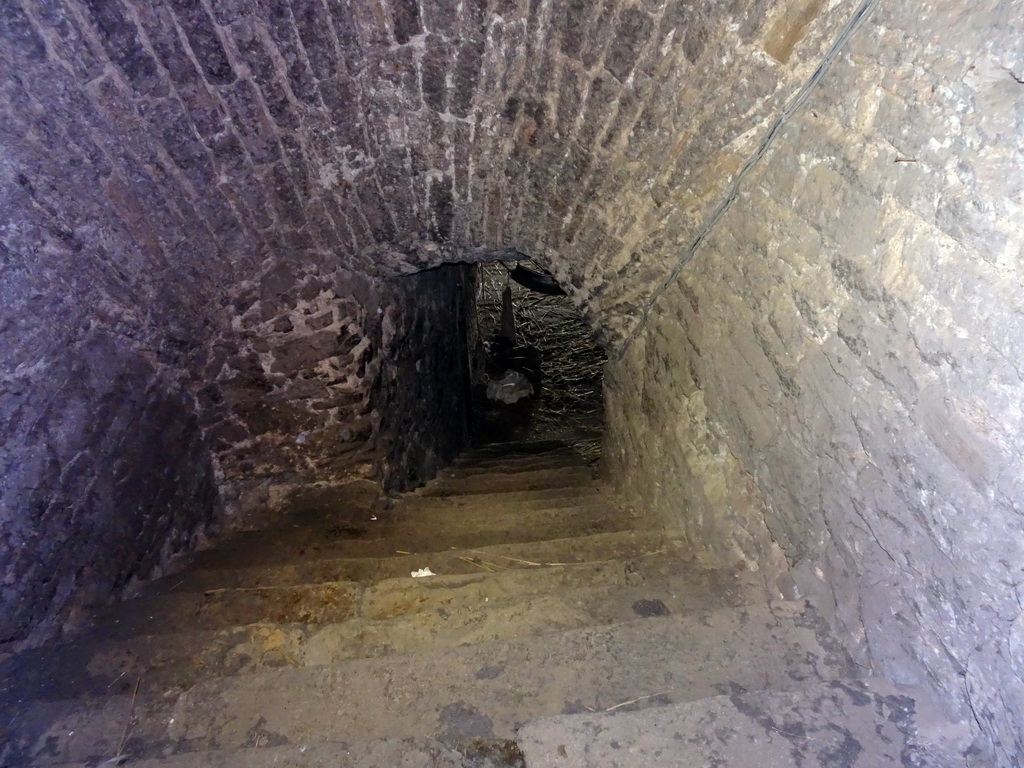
<point x="420" y="400"/>
<point x="105" y="475"/>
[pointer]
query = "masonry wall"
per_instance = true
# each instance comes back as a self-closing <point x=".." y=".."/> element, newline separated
<point x="182" y="180"/>
<point x="330" y="376"/>
<point x="113" y="458"/>
<point x="385" y="136"/>
<point x="103" y="470"/>
<point x="421" y="397"/>
<point x="181" y="325"/>
<point x="836" y="373"/>
<point x="105" y="476"/>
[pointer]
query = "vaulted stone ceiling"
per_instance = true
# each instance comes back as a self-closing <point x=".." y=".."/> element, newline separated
<point x="180" y="149"/>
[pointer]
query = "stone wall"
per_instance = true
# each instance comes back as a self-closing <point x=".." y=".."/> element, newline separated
<point x="188" y="177"/>
<point x="289" y="381"/>
<point x="103" y="470"/>
<point x="165" y="233"/>
<point x="387" y="136"/>
<point x="837" y="370"/>
<point x="328" y="376"/>
<point x="421" y="397"/>
<point x="105" y="476"/>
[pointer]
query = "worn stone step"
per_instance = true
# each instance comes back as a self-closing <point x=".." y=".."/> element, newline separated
<point x="492" y="482"/>
<point x="317" y="509"/>
<point x="397" y="616"/>
<point x="508" y="500"/>
<point x="449" y="529"/>
<point x="322" y="603"/>
<point x="509" y="466"/>
<point x="380" y="753"/>
<point x="484" y="690"/>
<point x="333" y="505"/>
<point x="622" y="545"/>
<point x="517" y="447"/>
<point x="488" y="456"/>
<point x="852" y="723"/>
<point x="329" y="602"/>
<point x="461" y="512"/>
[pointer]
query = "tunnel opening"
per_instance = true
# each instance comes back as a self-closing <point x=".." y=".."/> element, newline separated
<point x="537" y="371"/>
<point x="802" y="242"/>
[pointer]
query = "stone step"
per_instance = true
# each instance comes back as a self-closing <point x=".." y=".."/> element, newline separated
<point x="484" y="455"/>
<point x="398" y="616"/>
<point x="852" y="723"/>
<point x="332" y="505"/>
<point x="513" y="465"/>
<point x="462" y="512"/>
<point x="381" y="753"/>
<point x="331" y="602"/>
<point x="518" y="448"/>
<point x="623" y="546"/>
<point x="492" y="482"/>
<point x="314" y="604"/>
<point x="508" y="500"/>
<point x="439" y="530"/>
<point x="485" y="690"/>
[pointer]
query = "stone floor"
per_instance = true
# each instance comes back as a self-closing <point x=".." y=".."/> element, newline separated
<point x="559" y="629"/>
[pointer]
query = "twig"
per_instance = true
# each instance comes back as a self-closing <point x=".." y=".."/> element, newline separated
<point x="638" y="699"/>
<point x="661" y="551"/>
<point x="480" y="563"/>
<point x="1014" y="75"/>
<point x="123" y="673"/>
<point x="905" y="160"/>
<point x="520" y="560"/>
<point x="489" y="567"/>
<point x="121" y="756"/>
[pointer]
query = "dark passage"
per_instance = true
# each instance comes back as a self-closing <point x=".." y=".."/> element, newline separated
<point x="537" y="371"/>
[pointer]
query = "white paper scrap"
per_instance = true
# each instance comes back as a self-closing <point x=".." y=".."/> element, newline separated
<point x="422" y="572"/>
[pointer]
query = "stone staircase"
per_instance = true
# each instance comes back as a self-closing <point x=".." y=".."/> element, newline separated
<point x="559" y="630"/>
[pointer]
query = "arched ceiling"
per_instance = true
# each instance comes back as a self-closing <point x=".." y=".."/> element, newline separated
<point x="160" y="154"/>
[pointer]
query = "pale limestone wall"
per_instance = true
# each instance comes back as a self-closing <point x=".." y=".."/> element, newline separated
<point x="848" y="340"/>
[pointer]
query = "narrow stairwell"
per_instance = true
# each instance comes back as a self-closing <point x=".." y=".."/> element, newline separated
<point x="559" y="629"/>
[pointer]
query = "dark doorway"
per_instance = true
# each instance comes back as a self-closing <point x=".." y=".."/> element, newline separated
<point x="537" y="373"/>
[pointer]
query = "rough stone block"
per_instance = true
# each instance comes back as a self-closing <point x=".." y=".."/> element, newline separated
<point x="300" y="77"/>
<point x="204" y="41"/>
<point x="442" y="18"/>
<point x="406" y="14"/>
<point x="632" y="33"/>
<point x="441" y="211"/>
<point x="435" y="72"/>
<point x="67" y="38"/>
<point x="313" y="24"/>
<point x="466" y="75"/>
<point x="120" y="39"/>
<point x="17" y="29"/>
